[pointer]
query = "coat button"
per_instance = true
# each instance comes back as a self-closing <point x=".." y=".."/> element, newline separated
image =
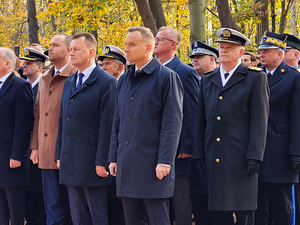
<point x="217" y="160"/>
<point x="68" y="118"/>
<point x="220" y="97"/>
<point x="50" y="92"/>
<point x="218" y="118"/>
<point x="45" y="135"/>
<point x="131" y="98"/>
<point x="71" y="100"/>
<point x="218" y="139"/>
<point x="46" y="114"/>
<point x="128" y="120"/>
<point x="126" y="142"/>
<point x="67" y="136"/>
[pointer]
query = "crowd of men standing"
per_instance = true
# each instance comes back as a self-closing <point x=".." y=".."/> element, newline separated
<point x="153" y="141"/>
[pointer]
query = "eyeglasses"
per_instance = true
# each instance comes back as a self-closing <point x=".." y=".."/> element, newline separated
<point x="159" y="39"/>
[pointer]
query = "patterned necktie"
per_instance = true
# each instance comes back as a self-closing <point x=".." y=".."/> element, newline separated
<point x="226" y="75"/>
<point x="80" y="75"/>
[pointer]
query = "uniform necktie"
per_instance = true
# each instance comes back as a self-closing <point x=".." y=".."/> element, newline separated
<point x="226" y="75"/>
<point x="80" y="75"/>
<point x="0" y="84"/>
<point x="269" y="75"/>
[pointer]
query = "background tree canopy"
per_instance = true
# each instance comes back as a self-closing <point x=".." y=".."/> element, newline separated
<point x="26" y="21"/>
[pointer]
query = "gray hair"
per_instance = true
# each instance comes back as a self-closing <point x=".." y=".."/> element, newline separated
<point x="175" y="35"/>
<point x="9" y="55"/>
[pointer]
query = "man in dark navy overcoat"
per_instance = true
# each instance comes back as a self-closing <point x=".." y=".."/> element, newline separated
<point x="231" y="129"/>
<point x="280" y="168"/>
<point x="84" y="133"/>
<point x="145" y="134"/>
<point x="16" y="121"/>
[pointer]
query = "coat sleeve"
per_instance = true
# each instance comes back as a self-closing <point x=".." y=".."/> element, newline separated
<point x="258" y="118"/>
<point x="23" y="122"/>
<point x="172" y="116"/>
<point x="199" y="127"/>
<point x="294" y="125"/>
<point x="105" y="118"/>
<point x="191" y="92"/>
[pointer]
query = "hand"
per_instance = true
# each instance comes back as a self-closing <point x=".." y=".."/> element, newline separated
<point x="295" y="163"/>
<point x="113" y="168"/>
<point x="14" y="163"/>
<point x="58" y="164"/>
<point x="200" y="165"/>
<point x="101" y="171"/>
<point x="252" y="166"/>
<point x="34" y="156"/>
<point x="184" y="155"/>
<point x="162" y="171"/>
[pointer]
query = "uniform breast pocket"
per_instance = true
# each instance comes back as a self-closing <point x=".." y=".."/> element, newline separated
<point x="282" y="128"/>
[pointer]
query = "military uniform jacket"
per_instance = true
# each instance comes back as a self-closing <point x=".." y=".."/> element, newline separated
<point x="16" y="121"/>
<point x="190" y="83"/>
<point x="84" y="129"/>
<point x="231" y="127"/>
<point x="146" y="129"/>
<point x="283" y="127"/>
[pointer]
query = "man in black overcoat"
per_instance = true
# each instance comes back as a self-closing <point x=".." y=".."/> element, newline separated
<point x="231" y="129"/>
<point x="280" y="168"/>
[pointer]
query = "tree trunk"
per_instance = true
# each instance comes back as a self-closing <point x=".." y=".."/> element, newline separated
<point x="197" y="19"/>
<point x="284" y="11"/>
<point x="146" y="14"/>
<point x="294" y="18"/>
<point x="158" y="13"/>
<point x="225" y="16"/>
<point x="273" y="16"/>
<point x="32" y="22"/>
<point x="263" y="16"/>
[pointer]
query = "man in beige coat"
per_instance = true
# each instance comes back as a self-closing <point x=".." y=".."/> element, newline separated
<point x="46" y="114"/>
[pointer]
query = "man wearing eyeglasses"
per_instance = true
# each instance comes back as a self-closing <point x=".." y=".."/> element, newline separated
<point x="167" y="41"/>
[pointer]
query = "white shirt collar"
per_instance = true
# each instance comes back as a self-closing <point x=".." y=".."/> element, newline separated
<point x="222" y="72"/>
<point x="61" y="69"/>
<point x="3" y="79"/>
<point x="87" y="72"/>
<point x="271" y="72"/>
<point x="36" y="81"/>
<point x="165" y="63"/>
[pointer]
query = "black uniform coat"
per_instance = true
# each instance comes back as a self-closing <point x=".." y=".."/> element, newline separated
<point x="84" y="129"/>
<point x="231" y="127"/>
<point x="146" y="129"/>
<point x="16" y="121"/>
<point x="190" y="83"/>
<point x="283" y="137"/>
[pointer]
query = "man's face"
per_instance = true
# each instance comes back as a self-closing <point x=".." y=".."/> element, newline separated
<point x="202" y="63"/>
<point x="80" y="53"/>
<point x="230" y="52"/>
<point x="31" y="68"/>
<point x="110" y="66"/>
<point x="269" y="57"/>
<point x="3" y="66"/>
<point x="163" y="43"/>
<point x="246" y="60"/>
<point x="291" y="56"/>
<point x="58" y="50"/>
<point x="136" y="49"/>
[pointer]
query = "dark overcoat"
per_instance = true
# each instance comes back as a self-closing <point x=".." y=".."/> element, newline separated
<point x="283" y="127"/>
<point x="16" y="122"/>
<point x="231" y="127"/>
<point x="84" y="129"/>
<point x="190" y="83"/>
<point x="146" y="129"/>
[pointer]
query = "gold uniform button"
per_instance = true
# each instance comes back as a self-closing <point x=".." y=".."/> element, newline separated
<point x="218" y="139"/>
<point x="220" y="97"/>
<point x="218" y="118"/>
<point x="217" y="160"/>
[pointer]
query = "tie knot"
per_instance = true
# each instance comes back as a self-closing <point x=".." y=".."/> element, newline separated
<point x="80" y="75"/>
<point x="269" y="75"/>
<point x="226" y="75"/>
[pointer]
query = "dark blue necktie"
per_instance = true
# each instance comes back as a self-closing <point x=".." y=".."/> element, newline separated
<point x="269" y="75"/>
<point x="226" y="75"/>
<point x="80" y="75"/>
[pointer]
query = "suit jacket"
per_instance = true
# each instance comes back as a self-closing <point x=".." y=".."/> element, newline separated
<point x="84" y="129"/>
<point x="231" y="127"/>
<point x="283" y="127"/>
<point x="188" y="77"/>
<point x="16" y="120"/>
<point x="46" y="114"/>
<point x="146" y="129"/>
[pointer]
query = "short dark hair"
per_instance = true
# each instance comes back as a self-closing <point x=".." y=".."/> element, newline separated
<point x="252" y="57"/>
<point x="89" y="39"/>
<point x="145" y="32"/>
<point x="67" y="38"/>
